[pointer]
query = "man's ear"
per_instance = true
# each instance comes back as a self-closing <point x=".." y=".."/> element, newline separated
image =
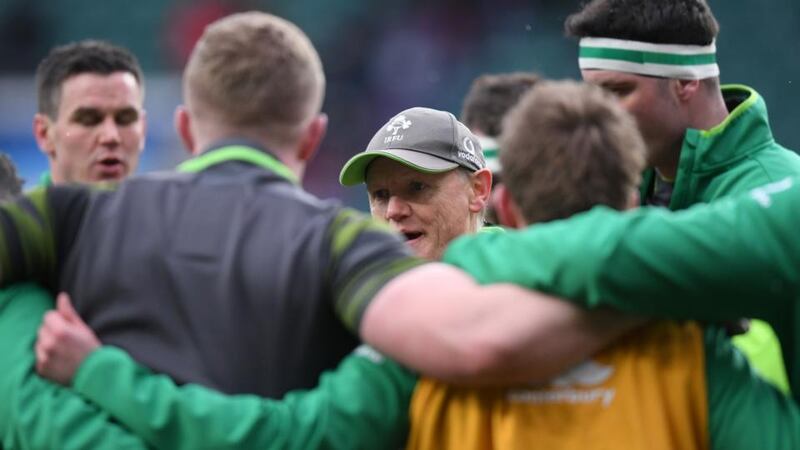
<point x="312" y="137"/>
<point x="481" y="183"/>
<point x="508" y="213"/>
<point x="685" y="90"/>
<point x="42" y="132"/>
<point x="143" y="119"/>
<point x="183" y="126"/>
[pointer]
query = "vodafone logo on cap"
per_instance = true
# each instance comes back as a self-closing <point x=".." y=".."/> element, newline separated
<point x="468" y="145"/>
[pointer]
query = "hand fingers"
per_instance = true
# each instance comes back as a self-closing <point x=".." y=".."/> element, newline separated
<point x="45" y="342"/>
<point x="42" y="358"/>
<point x="64" y="306"/>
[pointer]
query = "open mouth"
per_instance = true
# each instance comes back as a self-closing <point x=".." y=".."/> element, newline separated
<point x="110" y="162"/>
<point x="411" y="235"/>
<point x="111" y="167"/>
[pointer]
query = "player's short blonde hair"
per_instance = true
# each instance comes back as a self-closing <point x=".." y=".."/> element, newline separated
<point x="254" y="70"/>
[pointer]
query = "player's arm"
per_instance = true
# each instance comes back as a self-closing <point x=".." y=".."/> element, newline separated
<point x="35" y="413"/>
<point x="734" y="258"/>
<point x="36" y="232"/>
<point x="361" y="404"/>
<point x="438" y="320"/>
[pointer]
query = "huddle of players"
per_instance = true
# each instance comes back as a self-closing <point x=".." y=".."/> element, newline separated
<point x="565" y="148"/>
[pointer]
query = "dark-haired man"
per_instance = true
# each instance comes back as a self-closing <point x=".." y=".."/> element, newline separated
<point x="90" y="121"/>
<point x="489" y="98"/>
<point x="704" y="141"/>
<point x="90" y="124"/>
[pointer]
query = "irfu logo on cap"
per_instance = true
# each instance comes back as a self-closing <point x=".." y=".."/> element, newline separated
<point x="398" y="123"/>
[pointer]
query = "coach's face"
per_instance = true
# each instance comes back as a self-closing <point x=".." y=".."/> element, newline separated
<point x="430" y="210"/>
<point x="99" y="130"/>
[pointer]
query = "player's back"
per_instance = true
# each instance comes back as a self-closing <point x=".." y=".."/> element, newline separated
<point x="648" y="390"/>
<point x="227" y="277"/>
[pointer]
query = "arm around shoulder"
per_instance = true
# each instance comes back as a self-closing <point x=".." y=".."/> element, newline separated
<point x="438" y="320"/>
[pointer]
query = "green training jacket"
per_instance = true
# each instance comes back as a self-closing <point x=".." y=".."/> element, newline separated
<point x="35" y="413"/>
<point x="735" y="156"/>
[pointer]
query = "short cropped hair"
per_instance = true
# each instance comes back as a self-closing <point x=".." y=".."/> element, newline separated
<point x="254" y="70"/>
<point x="490" y="97"/>
<point x="567" y="147"/>
<point x="10" y="183"/>
<point x="89" y="56"/>
<point x="686" y="22"/>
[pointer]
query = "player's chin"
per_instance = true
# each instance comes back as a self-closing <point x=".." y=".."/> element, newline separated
<point x="423" y="248"/>
<point x="117" y="174"/>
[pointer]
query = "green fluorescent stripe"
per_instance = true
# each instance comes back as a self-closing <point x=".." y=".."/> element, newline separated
<point x="364" y="294"/>
<point x="343" y="296"/>
<point x="738" y="111"/>
<point x="345" y="233"/>
<point x="238" y="153"/>
<point x="641" y="57"/>
<point x="39" y="200"/>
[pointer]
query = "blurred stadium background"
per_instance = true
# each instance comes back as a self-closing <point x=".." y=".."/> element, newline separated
<point x="380" y="57"/>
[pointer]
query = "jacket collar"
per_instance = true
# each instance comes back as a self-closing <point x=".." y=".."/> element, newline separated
<point x="745" y="131"/>
<point x="242" y="151"/>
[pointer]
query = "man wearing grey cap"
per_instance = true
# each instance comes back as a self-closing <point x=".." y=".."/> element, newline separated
<point x="426" y="176"/>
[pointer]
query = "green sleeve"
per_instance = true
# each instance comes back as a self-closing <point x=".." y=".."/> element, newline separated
<point x="734" y="258"/>
<point x="362" y="404"/>
<point x="745" y="411"/>
<point x="35" y="413"/>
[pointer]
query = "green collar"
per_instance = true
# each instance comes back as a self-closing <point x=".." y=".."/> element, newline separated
<point x="491" y="229"/>
<point x="238" y="153"/>
<point x="745" y="130"/>
<point x="46" y="179"/>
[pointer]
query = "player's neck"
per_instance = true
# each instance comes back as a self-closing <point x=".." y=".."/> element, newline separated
<point x="708" y="111"/>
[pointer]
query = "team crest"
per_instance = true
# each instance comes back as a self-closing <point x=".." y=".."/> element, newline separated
<point x="398" y="123"/>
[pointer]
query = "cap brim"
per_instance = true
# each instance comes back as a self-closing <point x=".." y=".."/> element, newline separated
<point x="355" y="170"/>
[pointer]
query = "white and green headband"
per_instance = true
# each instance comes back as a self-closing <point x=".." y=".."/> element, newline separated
<point x="686" y="62"/>
<point x="491" y="153"/>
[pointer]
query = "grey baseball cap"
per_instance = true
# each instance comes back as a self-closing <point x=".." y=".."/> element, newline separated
<point x="424" y="139"/>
